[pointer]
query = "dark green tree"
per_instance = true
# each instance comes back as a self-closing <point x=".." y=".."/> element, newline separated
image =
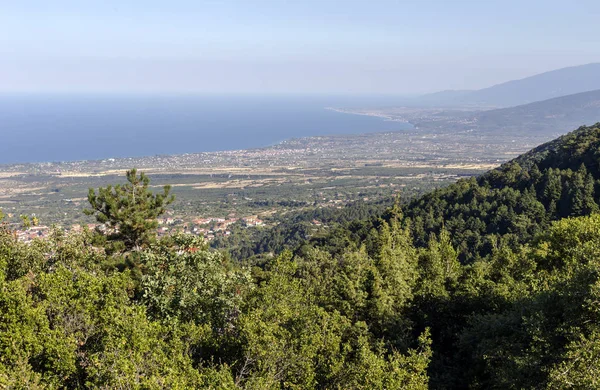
<point x="129" y="211"/>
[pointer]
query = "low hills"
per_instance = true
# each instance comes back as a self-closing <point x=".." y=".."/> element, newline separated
<point x="547" y="118"/>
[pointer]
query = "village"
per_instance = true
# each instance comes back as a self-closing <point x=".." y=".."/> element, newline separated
<point x="208" y="227"/>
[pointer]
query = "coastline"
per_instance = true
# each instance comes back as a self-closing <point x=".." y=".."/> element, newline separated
<point x="385" y="117"/>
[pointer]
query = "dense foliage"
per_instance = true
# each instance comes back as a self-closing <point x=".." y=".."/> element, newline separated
<point x="70" y="320"/>
<point x="490" y="283"/>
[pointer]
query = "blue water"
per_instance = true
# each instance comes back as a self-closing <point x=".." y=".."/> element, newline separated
<point x="84" y="127"/>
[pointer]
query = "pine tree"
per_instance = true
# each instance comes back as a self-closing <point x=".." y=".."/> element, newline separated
<point x="129" y="211"/>
<point x="589" y="203"/>
<point x="552" y="190"/>
<point x="535" y="174"/>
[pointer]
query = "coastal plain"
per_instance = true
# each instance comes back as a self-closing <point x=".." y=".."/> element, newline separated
<point x="324" y="171"/>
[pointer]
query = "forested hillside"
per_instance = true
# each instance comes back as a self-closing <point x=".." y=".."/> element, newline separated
<point x="513" y="203"/>
<point x="489" y="283"/>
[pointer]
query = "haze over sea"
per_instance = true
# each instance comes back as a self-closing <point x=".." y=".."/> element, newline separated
<point x="40" y="128"/>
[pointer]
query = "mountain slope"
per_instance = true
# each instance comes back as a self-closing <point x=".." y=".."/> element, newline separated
<point x="511" y="204"/>
<point x="548" y="85"/>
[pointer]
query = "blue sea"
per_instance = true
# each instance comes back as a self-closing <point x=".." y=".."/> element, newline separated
<point x="43" y="128"/>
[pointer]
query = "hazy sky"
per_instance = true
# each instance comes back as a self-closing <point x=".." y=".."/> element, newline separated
<point x="288" y="46"/>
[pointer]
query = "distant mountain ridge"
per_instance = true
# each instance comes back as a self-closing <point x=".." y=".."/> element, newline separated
<point x="543" y="86"/>
<point x="547" y="117"/>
